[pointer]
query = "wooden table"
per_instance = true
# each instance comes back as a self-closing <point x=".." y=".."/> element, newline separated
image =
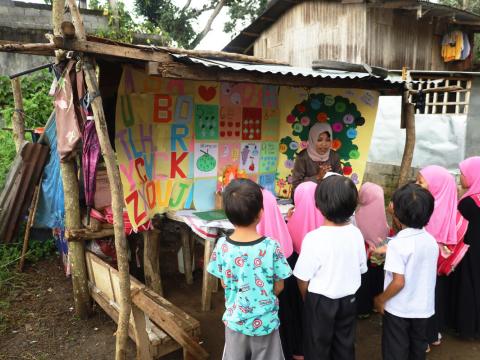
<point x="206" y="232"/>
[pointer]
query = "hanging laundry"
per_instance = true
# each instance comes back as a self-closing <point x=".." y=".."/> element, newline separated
<point x="90" y="156"/>
<point x="466" y="47"/>
<point x="455" y="46"/>
<point x="69" y="111"/>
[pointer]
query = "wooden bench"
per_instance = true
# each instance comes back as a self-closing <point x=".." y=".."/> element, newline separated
<point x="156" y="326"/>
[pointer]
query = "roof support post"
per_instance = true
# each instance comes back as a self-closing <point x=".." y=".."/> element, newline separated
<point x="76" y="250"/>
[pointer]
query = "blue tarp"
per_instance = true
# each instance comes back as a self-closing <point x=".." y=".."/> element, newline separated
<point x="50" y="209"/>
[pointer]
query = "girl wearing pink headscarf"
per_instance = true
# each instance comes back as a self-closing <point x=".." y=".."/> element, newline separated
<point x="306" y="216"/>
<point x="371" y="219"/>
<point x="466" y="278"/>
<point x="442" y="226"/>
<point x="312" y="163"/>
<point x="272" y="223"/>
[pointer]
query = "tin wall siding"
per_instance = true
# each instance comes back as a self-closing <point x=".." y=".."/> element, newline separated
<point x="18" y="191"/>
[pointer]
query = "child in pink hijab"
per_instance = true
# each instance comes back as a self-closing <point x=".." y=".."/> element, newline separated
<point x="442" y="186"/>
<point x="272" y="224"/>
<point x="466" y="278"/>
<point x="443" y="227"/>
<point x="371" y="219"/>
<point x="306" y="216"/>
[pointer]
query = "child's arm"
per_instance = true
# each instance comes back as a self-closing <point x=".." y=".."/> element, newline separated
<point x="303" y="287"/>
<point x="396" y="285"/>
<point x="223" y="284"/>
<point x="278" y="287"/>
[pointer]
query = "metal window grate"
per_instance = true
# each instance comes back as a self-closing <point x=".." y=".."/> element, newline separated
<point x="445" y="102"/>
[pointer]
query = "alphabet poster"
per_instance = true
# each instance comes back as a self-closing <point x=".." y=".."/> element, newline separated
<point x="174" y="138"/>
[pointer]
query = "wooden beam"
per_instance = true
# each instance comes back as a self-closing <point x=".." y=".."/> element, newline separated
<point x="438" y="89"/>
<point x="28" y="227"/>
<point x="221" y="55"/>
<point x="30" y="49"/>
<point x="86" y="234"/>
<point x="99" y="48"/>
<point x="167" y="324"/>
<point x="18" y="123"/>
<point x="199" y="72"/>
<point x="249" y="34"/>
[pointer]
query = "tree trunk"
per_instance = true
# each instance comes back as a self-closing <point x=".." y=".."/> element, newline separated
<point x="125" y="300"/>
<point x="76" y="251"/>
<point x="409" y="143"/>
<point x="18" y="122"/>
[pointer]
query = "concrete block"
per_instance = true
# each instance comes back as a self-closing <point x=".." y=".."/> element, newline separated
<point x="3" y="12"/>
<point x="33" y="12"/>
<point x="16" y="11"/>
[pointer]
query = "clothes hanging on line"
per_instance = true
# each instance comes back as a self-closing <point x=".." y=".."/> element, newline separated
<point x="455" y="46"/>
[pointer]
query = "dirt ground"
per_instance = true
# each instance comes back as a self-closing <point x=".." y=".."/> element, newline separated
<point x="41" y="323"/>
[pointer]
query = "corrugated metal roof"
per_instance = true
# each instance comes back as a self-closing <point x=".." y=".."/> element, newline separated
<point x="276" y="8"/>
<point x="285" y="70"/>
<point x="18" y="192"/>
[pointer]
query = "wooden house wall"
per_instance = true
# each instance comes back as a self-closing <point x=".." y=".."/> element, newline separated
<point x="357" y="33"/>
<point x="316" y="30"/>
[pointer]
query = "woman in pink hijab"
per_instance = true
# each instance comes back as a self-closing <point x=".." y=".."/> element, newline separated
<point x="272" y="224"/>
<point x="466" y="278"/>
<point x="306" y="217"/>
<point x="371" y="219"/>
<point x="442" y="226"/>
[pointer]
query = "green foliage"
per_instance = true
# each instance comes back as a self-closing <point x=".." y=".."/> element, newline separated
<point x="122" y="28"/>
<point x="179" y="22"/>
<point x="469" y="5"/>
<point x="37" y="104"/>
<point x="7" y="154"/>
<point x="10" y="255"/>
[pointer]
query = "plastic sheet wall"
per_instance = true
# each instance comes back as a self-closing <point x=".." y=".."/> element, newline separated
<point x="440" y="138"/>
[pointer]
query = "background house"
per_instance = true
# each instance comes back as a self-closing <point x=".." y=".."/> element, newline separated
<point x="389" y="34"/>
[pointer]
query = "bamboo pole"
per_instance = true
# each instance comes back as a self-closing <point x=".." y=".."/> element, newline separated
<point x="125" y="300"/>
<point x="18" y="122"/>
<point x="76" y="250"/>
<point x="409" y="142"/>
<point x="31" y="217"/>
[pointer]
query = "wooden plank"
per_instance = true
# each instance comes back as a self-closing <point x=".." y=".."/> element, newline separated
<point x="207" y="283"/>
<point x="87" y="234"/>
<point x="141" y="336"/>
<point x="150" y="308"/>
<point x="187" y="254"/>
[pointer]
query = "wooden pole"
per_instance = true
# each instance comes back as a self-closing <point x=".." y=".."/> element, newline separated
<point x="18" y="122"/>
<point x="409" y="142"/>
<point x="31" y="217"/>
<point x="125" y="300"/>
<point x="151" y="260"/>
<point x="76" y="250"/>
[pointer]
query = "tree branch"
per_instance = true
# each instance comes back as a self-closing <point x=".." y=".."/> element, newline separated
<point x="208" y="25"/>
<point x="187" y="5"/>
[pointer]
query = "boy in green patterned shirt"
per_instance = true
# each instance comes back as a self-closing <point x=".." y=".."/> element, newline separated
<point x="251" y="269"/>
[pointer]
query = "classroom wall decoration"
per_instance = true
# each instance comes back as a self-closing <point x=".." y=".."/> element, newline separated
<point x="174" y="138"/>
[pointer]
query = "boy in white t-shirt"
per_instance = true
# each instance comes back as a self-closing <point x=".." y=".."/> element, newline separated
<point x="410" y="275"/>
<point x="328" y="272"/>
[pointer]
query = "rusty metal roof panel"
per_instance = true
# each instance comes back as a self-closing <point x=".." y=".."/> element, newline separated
<point x="285" y="69"/>
<point x="18" y="192"/>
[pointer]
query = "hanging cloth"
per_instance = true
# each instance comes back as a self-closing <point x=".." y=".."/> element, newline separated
<point x="90" y="156"/>
<point x="69" y="111"/>
<point x="466" y="47"/>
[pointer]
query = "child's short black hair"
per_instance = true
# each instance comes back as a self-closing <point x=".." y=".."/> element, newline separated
<point x="242" y="201"/>
<point x="336" y="197"/>
<point x="413" y="205"/>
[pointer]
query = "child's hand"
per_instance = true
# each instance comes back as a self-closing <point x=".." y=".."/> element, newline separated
<point x="290" y="212"/>
<point x="379" y="305"/>
<point x="390" y="208"/>
<point x="381" y="250"/>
